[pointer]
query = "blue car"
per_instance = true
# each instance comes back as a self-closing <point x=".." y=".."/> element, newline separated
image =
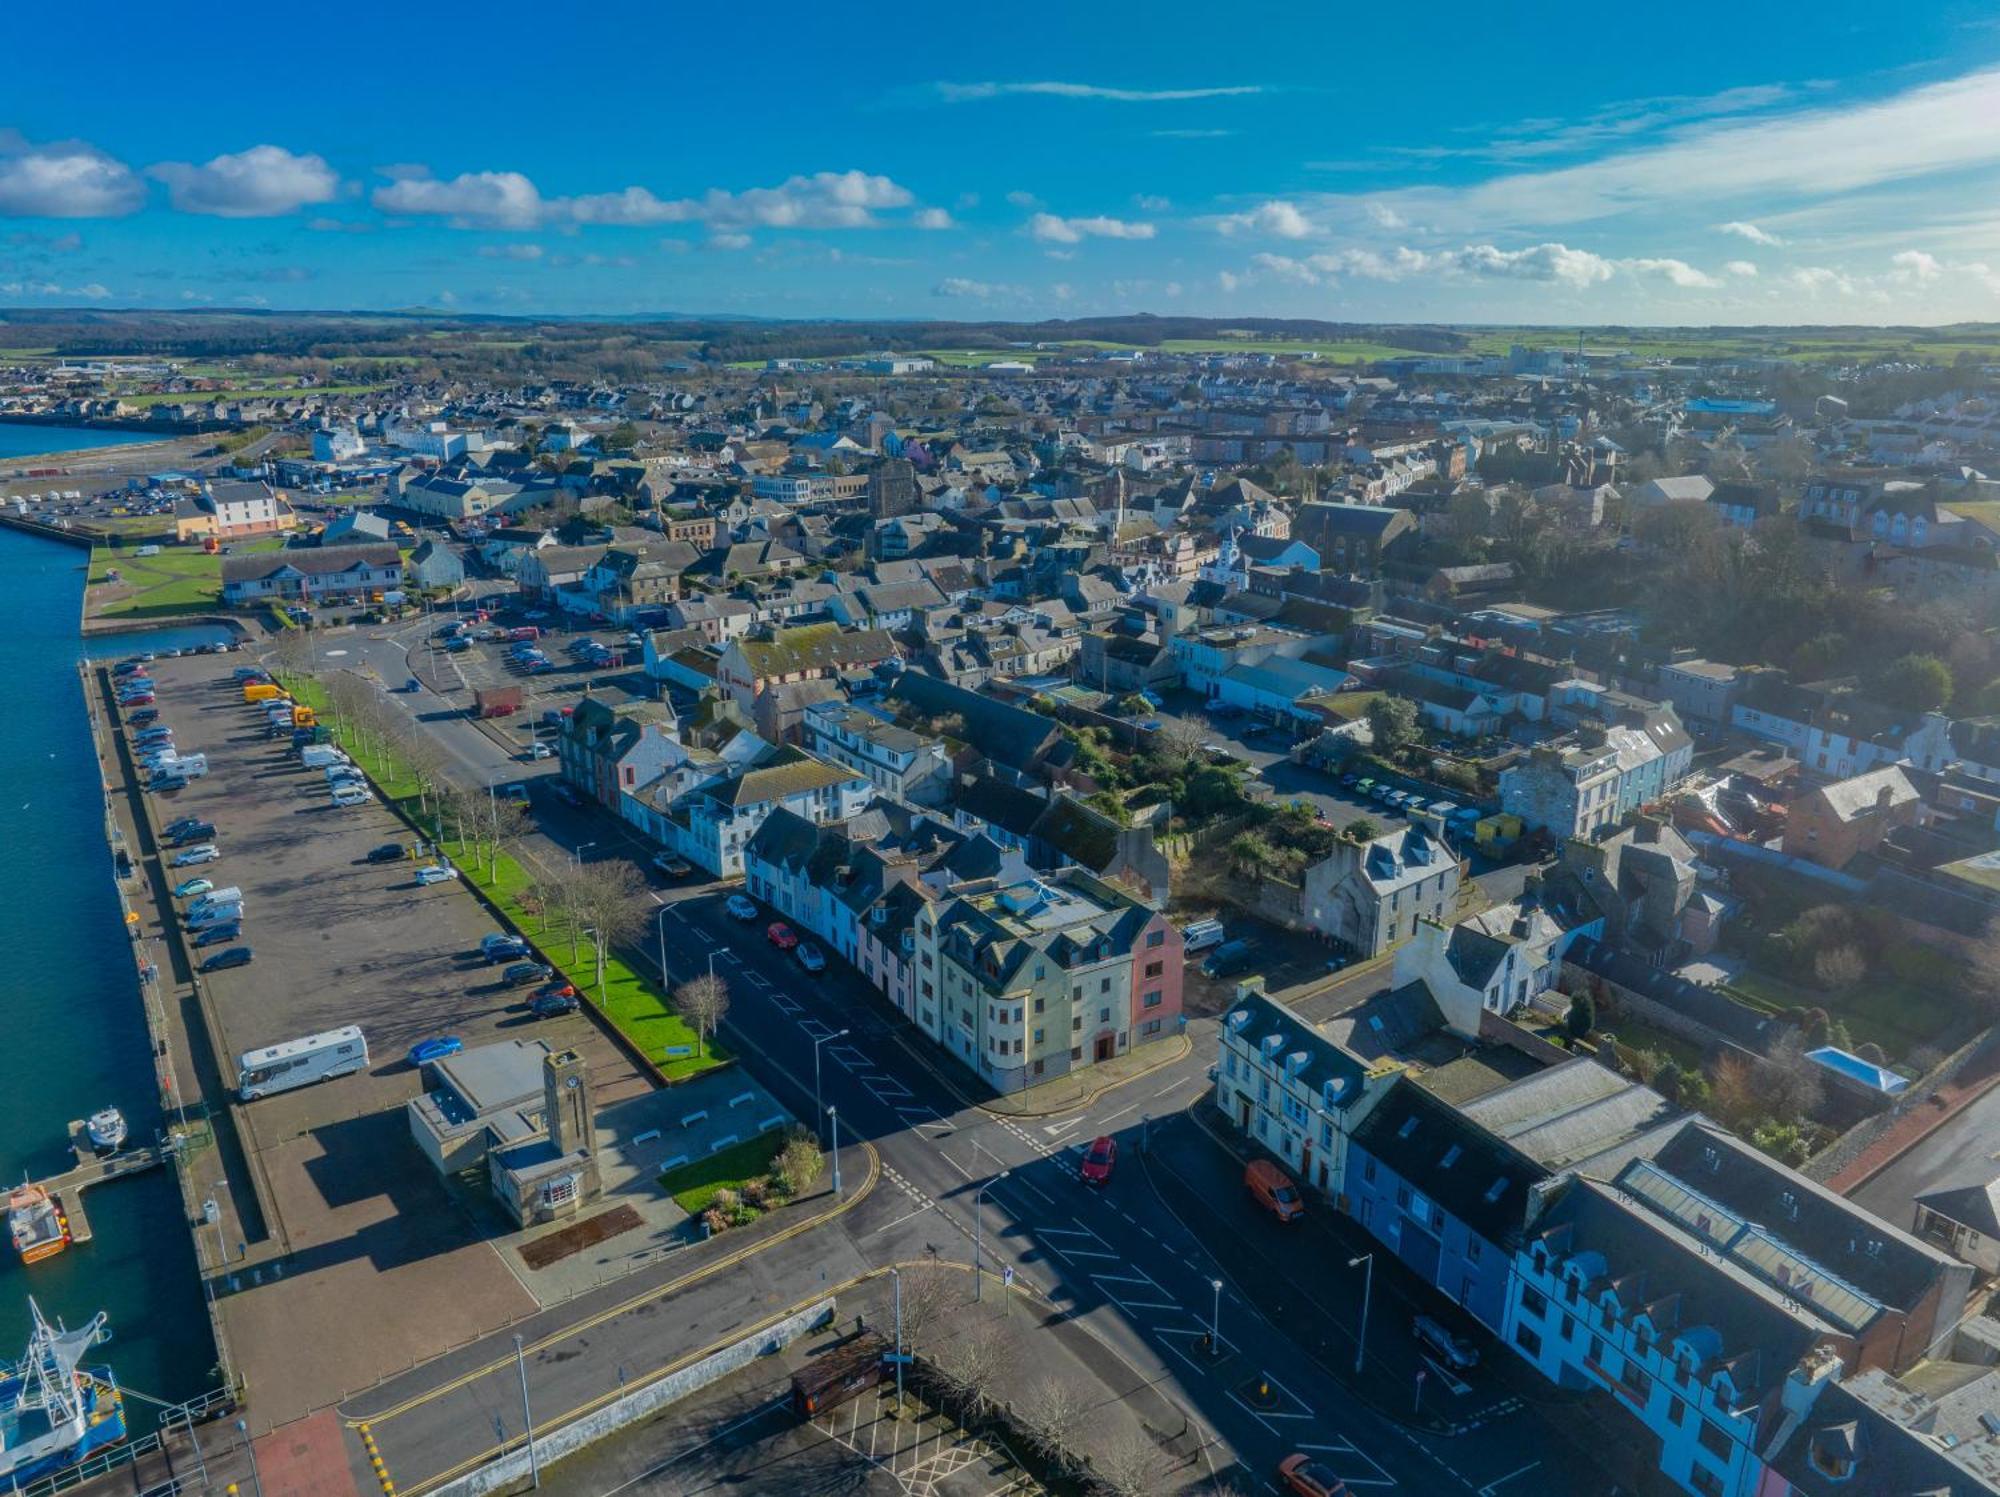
<point x="219" y="934"/>
<point x="425" y="1051"/>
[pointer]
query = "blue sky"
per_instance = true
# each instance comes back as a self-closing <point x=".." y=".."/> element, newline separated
<point x="1556" y="163"/>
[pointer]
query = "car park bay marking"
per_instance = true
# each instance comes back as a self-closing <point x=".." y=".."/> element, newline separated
<point x="1348" y="1458"/>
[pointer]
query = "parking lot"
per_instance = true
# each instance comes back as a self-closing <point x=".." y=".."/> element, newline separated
<point x="370" y="1259"/>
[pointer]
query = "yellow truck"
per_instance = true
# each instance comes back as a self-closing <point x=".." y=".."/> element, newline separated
<point x="261" y="691"/>
<point x="304" y="717"/>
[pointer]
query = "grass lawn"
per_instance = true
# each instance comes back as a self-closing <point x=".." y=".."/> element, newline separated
<point x="634" y="1003"/>
<point x="693" y="1186"/>
<point x="1352" y="706"/>
<point x="1898" y="1015"/>
<point x="181" y="579"/>
<point x="1634" y="1034"/>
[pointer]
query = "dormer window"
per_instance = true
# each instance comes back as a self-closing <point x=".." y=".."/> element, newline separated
<point x="1409" y="1127"/>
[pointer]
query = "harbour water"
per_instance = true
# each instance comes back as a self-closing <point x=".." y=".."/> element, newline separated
<point x="20" y="439"/>
<point x="76" y="1035"/>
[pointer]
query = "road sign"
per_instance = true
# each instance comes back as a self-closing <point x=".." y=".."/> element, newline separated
<point x="1007" y="1276"/>
<point x="898" y="1358"/>
<point x="674" y="1051"/>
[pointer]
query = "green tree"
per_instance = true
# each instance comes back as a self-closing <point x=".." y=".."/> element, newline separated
<point x="1393" y="721"/>
<point x="1915" y="683"/>
<point x="621" y="438"/>
<point x="1361" y="829"/>
<point x="1581" y="1018"/>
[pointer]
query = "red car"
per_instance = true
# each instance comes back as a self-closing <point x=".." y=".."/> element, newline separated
<point x="1303" y="1476"/>
<point x="1098" y="1161"/>
<point x="781" y="935"/>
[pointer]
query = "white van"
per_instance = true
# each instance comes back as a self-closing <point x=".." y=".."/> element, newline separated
<point x="321" y="756"/>
<point x="1199" y="935"/>
<point x="295" y="1063"/>
<point x="214" y="897"/>
<point x="194" y="766"/>
<point x="214" y="915"/>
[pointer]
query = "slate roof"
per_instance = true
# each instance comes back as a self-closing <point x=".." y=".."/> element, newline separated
<point x="789" y="773"/>
<point x="1255" y="1018"/>
<point x="815" y="647"/>
<point x="312" y="561"/>
<point x="1888" y="1455"/>
<point x="1473" y="1174"/>
<point x="1572" y="1114"/>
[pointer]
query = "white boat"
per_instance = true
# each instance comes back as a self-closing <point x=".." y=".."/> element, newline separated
<point x="53" y="1410"/>
<point x="107" y="1130"/>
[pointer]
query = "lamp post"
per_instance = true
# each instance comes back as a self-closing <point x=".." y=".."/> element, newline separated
<point x="978" y="1279"/>
<point x="834" y="1118"/>
<point x="816" y="1044"/>
<point x="896" y="1280"/>
<point x="1367" y="1292"/>
<point x="527" y="1416"/>
<point x="1215" y="1320"/>
<point x="576" y="853"/>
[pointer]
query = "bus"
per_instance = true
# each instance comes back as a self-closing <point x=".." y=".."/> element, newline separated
<point x="295" y="1063"/>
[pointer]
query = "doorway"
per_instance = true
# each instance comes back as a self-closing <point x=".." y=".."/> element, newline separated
<point x="1105" y="1045"/>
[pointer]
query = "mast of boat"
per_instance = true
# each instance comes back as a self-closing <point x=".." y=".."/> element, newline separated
<point x="51" y="1365"/>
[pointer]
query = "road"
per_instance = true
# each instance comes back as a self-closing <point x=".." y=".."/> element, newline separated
<point x="1137" y="1264"/>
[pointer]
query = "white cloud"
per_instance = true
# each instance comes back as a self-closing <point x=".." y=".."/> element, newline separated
<point x="824" y="200"/>
<point x="92" y="291"/>
<point x="1227" y="281"/>
<point x="1540" y="262"/>
<point x="262" y="182"/>
<point x="1750" y="232"/>
<point x="1916" y="266"/>
<point x="1023" y="200"/>
<point x="962" y="288"/>
<point x="510" y="251"/>
<point x="497" y="200"/>
<point x="1278" y="218"/>
<point x="1557" y="263"/>
<point x="1815" y="279"/>
<point x="961" y="93"/>
<point x="1151" y="202"/>
<point x="1675" y="272"/>
<point x="1050" y="229"/>
<point x="1742" y="268"/>
<point x="1193" y="134"/>
<point x="724" y="239"/>
<point x="64" y="179"/>
<point x="933" y="218"/>
<point x="1386" y="217"/>
<point x="1062" y="291"/>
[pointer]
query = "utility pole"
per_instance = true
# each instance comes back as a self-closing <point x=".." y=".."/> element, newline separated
<point x="1367" y="1292"/>
<point x="896" y="1280"/>
<point x="979" y="1195"/>
<point x="527" y="1415"/>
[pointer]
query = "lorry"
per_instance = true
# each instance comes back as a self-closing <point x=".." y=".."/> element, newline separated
<point x="261" y="691"/>
<point x="496" y="701"/>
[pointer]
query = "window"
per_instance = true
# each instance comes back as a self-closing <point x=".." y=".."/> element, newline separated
<point x="1403" y="1196"/>
<point x="1156" y="938"/>
<point x="1633" y="1376"/>
<point x="1704" y="1481"/>
<point x="1528" y="1339"/>
<point x="1152" y="999"/>
<point x="1154" y="969"/>
<point x="1472" y="1250"/>
<point x="1017" y="1047"/>
<point x="1040" y="1004"/>
<point x="1368" y="1168"/>
<point x="1104" y="1016"/>
<point x="1103" y="985"/>
<point x="1714" y="1441"/>
<point x="1076" y="1052"/>
<point x="1150" y="1028"/>
<point x="1077" y="1022"/>
<point x="1677" y="1411"/>
<point x="1038" y="1038"/>
<point x="1534" y="1302"/>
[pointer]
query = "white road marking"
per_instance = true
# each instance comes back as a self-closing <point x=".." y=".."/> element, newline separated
<point x="1494" y="1486"/>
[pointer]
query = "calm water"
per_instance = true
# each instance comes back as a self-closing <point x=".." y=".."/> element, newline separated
<point x="76" y="1035"/>
<point x="18" y="440"/>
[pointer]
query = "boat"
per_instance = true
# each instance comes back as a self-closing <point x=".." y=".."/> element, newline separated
<point x="36" y="1223"/>
<point x="106" y="1128"/>
<point x="53" y="1410"/>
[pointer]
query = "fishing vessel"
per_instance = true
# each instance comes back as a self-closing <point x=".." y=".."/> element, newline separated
<point x="53" y="1410"/>
<point x="36" y="1223"/>
<point x="106" y="1128"/>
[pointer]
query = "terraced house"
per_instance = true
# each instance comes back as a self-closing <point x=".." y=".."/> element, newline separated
<point x="1035" y="978"/>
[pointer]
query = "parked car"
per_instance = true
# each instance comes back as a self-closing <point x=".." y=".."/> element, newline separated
<point x="553" y="1005"/>
<point x="520" y="974"/>
<point x="190" y="830"/>
<point x="740" y="907"/>
<point x="1271" y="1188"/>
<point x="184" y="824"/>
<point x="781" y="935"/>
<point x="235" y="956"/>
<point x="538" y="751"/>
<point x="423" y="1052"/>
<point x="1098" y="1161"/>
<point x="435" y="873"/>
<point x="560" y="987"/>
<point x="1228" y="959"/>
<point x="672" y="866"/>
<point x="215" y="935"/>
<point x="810" y="957"/>
<point x="1302" y="1476"/>
<point x="387" y="852"/>
<point x="502" y="948"/>
<point x="188" y="888"/>
<point x="1439" y="1341"/>
<point x="566" y="793"/>
<point x="188" y="857"/>
<point x="351" y="795"/>
<point x="143" y="716"/>
<point x="167" y="784"/>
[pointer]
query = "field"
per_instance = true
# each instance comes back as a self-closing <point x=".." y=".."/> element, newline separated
<point x="180" y="580"/>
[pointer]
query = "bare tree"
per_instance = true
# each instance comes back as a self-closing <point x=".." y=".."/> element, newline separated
<point x="973" y="1362"/>
<point x="929" y="1294"/>
<point x="1789" y="1084"/>
<point x="554" y="897"/>
<point x="610" y="903"/>
<point x="1979" y="971"/>
<point x="293" y="652"/>
<point x="1840" y="967"/>
<point x="508" y="823"/>
<point x="1178" y="740"/>
<point x="1128" y="1464"/>
<point x="1053" y="1413"/>
<point x="703" y="1001"/>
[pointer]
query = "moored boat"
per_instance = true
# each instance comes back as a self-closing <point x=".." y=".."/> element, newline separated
<point x="36" y="1223"/>
<point x="54" y="1411"/>
<point x="106" y="1128"/>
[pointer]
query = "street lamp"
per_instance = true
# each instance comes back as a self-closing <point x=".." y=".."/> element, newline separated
<point x="833" y="1117"/>
<point x="1367" y="1291"/>
<point x="1215" y="1320"/>
<point x="978" y="1281"/>
<point x="576" y="853"/>
<point x="816" y="1044"/>
<point x="527" y="1415"/>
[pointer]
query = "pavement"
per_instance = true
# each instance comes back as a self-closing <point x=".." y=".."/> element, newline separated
<point x="1120" y="1265"/>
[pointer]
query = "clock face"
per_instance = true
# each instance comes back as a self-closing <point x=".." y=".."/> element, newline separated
<point x="573" y="1081"/>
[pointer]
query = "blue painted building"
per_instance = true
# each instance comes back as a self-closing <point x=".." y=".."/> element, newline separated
<point x="1446" y="1196"/>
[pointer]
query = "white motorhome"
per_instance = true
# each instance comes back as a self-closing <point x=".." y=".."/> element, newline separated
<point x="295" y="1063"/>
